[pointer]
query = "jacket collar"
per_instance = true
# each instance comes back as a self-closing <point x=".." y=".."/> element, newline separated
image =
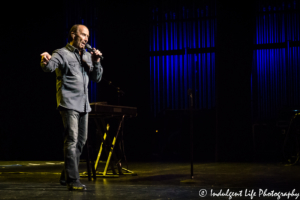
<point x="73" y="49"/>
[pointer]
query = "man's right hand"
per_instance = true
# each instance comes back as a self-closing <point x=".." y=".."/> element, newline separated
<point x="45" y="58"/>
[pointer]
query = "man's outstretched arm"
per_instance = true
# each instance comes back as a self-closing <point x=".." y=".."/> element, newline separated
<point x="50" y="63"/>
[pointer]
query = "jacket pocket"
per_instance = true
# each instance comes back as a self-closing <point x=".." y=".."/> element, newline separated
<point x="74" y="67"/>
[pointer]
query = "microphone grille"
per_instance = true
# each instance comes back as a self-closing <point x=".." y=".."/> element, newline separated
<point x="87" y="46"/>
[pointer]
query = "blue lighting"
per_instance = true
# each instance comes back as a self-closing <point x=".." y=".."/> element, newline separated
<point x="275" y="75"/>
<point x="172" y="75"/>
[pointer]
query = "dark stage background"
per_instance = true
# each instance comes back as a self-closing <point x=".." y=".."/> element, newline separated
<point x="155" y="51"/>
<point x="31" y="127"/>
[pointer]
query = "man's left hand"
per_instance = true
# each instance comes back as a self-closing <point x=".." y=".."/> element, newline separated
<point x="96" y="55"/>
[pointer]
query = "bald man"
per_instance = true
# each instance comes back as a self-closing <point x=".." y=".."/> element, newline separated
<point x="74" y="66"/>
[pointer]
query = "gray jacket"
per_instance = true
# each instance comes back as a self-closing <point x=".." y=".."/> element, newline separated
<point x="72" y="77"/>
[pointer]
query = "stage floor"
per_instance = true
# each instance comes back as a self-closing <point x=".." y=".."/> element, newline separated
<point x="154" y="180"/>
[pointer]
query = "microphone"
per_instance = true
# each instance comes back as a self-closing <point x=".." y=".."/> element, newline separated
<point x="90" y="49"/>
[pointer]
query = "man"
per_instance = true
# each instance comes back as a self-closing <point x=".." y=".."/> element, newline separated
<point x="73" y="66"/>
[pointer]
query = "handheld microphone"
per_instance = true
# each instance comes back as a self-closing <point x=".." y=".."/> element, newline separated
<point x="90" y="49"/>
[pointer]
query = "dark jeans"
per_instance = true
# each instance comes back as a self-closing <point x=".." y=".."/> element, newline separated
<point x="75" y="135"/>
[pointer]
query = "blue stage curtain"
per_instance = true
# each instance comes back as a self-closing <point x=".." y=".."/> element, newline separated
<point x="275" y="73"/>
<point x="182" y="56"/>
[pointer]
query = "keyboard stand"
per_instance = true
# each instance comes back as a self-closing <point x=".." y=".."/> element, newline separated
<point x="108" y="146"/>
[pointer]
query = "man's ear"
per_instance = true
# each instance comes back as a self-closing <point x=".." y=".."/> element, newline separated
<point x="73" y="35"/>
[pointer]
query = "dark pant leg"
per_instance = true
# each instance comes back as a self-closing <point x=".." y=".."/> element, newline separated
<point x="82" y="134"/>
<point x="75" y="134"/>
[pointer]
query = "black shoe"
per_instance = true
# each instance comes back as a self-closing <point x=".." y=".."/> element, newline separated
<point x="62" y="182"/>
<point x="76" y="186"/>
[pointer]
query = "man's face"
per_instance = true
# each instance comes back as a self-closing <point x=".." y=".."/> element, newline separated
<point x="81" y="38"/>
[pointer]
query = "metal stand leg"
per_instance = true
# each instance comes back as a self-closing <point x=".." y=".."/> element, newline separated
<point x="88" y="165"/>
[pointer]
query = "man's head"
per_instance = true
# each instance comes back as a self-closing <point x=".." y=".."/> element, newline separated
<point x="78" y="36"/>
